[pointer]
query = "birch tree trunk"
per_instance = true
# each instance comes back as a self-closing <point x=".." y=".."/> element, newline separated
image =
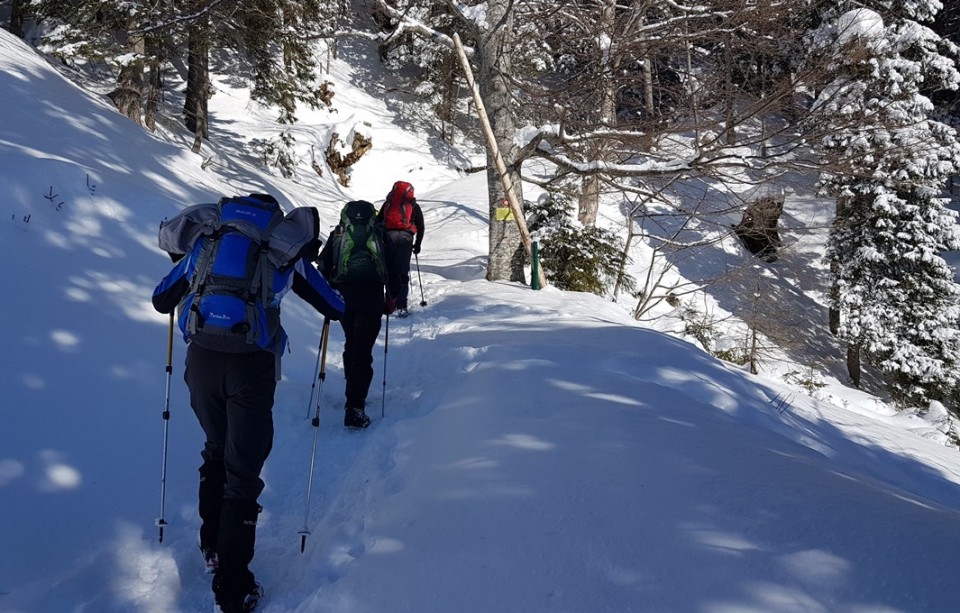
<point x="493" y="66"/>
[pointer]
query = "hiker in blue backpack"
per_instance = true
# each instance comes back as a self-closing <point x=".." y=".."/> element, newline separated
<point x="236" y="260"/>
<point x="403" y="223"/>
<point x="355" y="261"/>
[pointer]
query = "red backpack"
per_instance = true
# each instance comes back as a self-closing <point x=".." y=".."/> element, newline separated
<point x="397" y="211"/>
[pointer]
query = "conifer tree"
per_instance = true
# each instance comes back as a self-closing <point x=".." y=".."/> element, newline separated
<point x="576" y="257"/>
<point x="276" y="38"/>
<point x="17" y="12"/>
<point x="888" y="160"/>
<point x="108" y="31"/>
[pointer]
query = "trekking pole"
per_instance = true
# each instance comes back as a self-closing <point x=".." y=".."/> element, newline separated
<point x="386" y="343"/>
<point x="316" y="370"/>
<point x="322" y="360"/>
<point x="161" y="522"/>
<point x="416" y="258"/>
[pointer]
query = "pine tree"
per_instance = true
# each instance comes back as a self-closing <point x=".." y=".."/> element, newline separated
<point x="895" y="295"/>
<point x="576" y="257"/>
<point x="111" y="32"/>
<point x="276" y="38"/>
<point x="17" y="12"/>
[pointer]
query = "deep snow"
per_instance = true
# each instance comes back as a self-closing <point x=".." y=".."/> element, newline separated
<point x="539" y="451"/>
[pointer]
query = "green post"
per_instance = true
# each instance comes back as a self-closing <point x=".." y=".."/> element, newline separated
<point x="535" y="281"/>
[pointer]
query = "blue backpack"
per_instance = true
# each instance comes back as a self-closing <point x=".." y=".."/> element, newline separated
<point x="230" y="305"/>
<point x="241" y="256"/>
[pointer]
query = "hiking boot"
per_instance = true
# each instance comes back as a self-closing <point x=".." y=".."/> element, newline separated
<point x="210" y="560"/>
<point x="247" y="605"/>
<point x="252" y="599"/>
<point x="354" y="417"/>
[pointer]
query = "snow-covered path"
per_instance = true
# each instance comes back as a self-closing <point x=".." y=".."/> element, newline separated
<point x="540" y="452"/>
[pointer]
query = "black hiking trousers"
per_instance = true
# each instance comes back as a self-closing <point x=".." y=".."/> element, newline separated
<point x="360" y="332"/>
<point x="232" y="395"/>
<point x="399" y="250"/>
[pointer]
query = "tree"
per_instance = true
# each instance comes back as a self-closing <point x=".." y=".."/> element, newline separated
<point x="493" y="76"/>
<point x="947" y="25"/>
<point x="576" y="257"/>
<point x="17" y="13"/>
<point x="197" y="93"/>
<point x="570" y="76"/>
<point x="108" y="31"/>
<point x="894" y="295"/>
<point x="493" y="35"/>
<point x="275" y="37"/>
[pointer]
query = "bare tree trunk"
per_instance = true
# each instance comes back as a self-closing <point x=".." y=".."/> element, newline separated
<point x="589" y="204"/>
<point x="834" y="313"/>
<point x="853" y="364"/>
<point x="154" y="83"/>
<point x="512" y="203"/>
<point x="289" y="21"/>
<point x="493" y="65"/>
<point x="622" y="271"/>
<point x="833" y="316"/>
<point x="648" y="85"/>
<point x="730" y="102"/>
<point x="127" y="96"/>
<point x="16" y="18"/>
<point x="198" y="76"/>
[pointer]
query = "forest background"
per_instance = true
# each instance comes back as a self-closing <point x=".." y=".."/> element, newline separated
<point x="662" y="152"/>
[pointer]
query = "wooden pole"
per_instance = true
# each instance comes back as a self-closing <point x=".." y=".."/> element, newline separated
<point x="515" y="207"/>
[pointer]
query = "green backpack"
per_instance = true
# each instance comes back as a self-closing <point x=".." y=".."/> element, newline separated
<point x="358" y="255"/>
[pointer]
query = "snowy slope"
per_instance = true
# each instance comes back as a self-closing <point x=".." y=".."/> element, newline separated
<point x="538" y="451"/>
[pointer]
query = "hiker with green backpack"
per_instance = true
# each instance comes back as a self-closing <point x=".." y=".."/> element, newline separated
<point x="355" y="262"/>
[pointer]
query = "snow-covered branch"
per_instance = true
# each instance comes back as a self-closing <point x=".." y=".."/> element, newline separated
<point x="180" y="19"/>
<point x="405" y="24"/>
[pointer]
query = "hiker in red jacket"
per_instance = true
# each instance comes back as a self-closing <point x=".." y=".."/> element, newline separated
<point x="403" y="222"/>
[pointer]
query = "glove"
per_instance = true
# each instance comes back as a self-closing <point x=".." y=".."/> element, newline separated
<point x="416" y="249"/>
<point x="389" y="306"/>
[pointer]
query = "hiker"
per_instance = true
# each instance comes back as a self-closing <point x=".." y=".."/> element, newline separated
<point x="403" y="223"/>
<point x="235" y="261"/>
<point x="354" y="261"/>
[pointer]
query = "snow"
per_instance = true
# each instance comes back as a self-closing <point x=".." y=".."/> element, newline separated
<point x="537" y="451"/>
<point x="860" y="24"/>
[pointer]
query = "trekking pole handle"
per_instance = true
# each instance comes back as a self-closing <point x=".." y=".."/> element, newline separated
<point x="323" y="348"/>
<point x="322" y="376"/>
